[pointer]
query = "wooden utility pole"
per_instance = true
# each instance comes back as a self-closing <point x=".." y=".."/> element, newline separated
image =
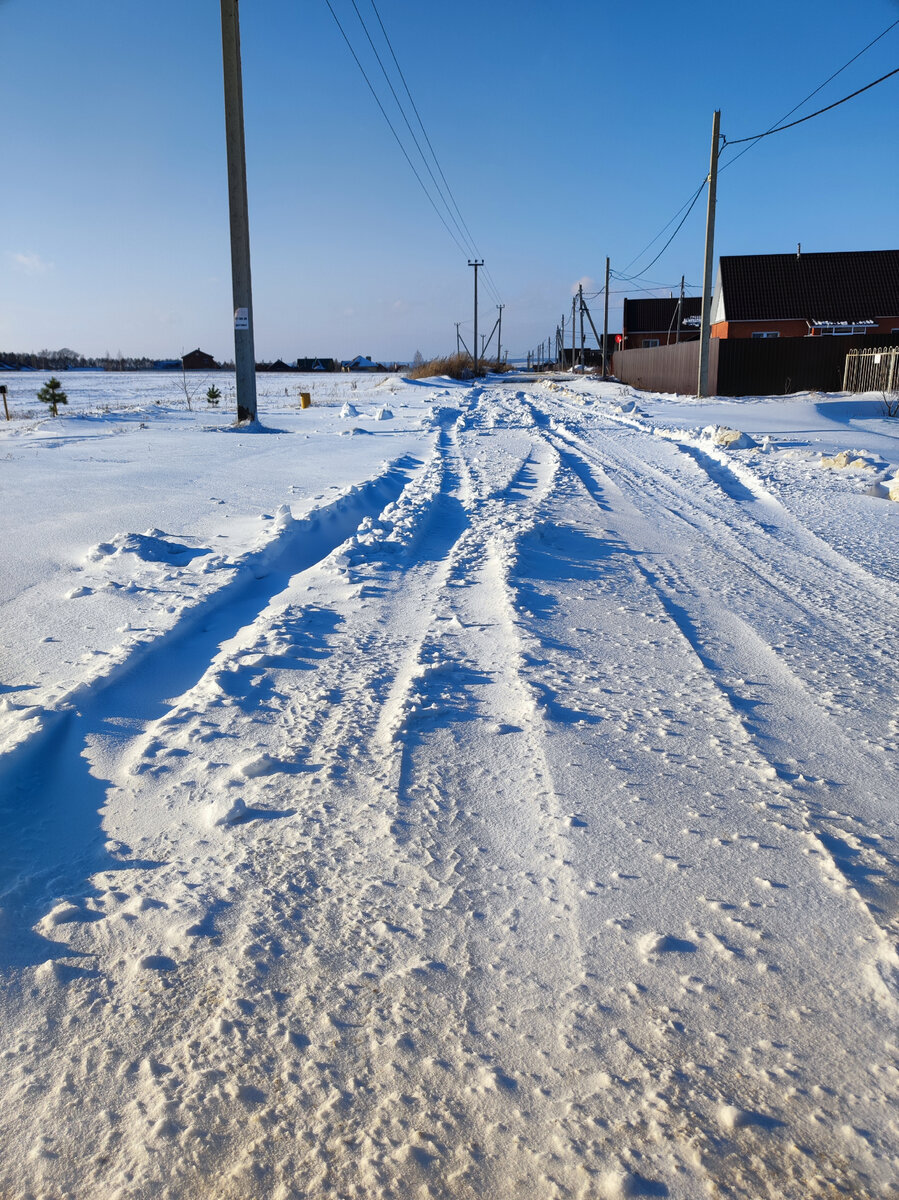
<point x="605" y="326"/>
<point x="702" y="385"/>
<point x="241" y="284"/>
<point x="477" y="262"/>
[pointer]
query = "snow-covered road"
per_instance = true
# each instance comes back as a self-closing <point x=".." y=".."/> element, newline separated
<point x="519" y="821"/>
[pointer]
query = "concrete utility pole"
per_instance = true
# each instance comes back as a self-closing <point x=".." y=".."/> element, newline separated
<point x="702" y="386"/>
<point x="241" y="285"/>
<point x="573" y="302"/>
<point x="605" y="326"/>
<point x="499" y="336"/>
<point x="458" y="323"/>
<point x="680" y="310"/>
<point x="477" y="262"/>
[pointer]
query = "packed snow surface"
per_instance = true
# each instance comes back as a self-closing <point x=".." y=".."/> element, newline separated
<point x="497" y="802"/>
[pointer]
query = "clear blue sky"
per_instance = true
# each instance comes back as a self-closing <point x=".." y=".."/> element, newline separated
<point x="567" y="132"/>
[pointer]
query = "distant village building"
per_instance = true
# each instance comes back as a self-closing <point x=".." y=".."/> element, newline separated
<point x="659" y="322"/>
<point x="362" y="363"/>
<point x="198" y="360"/>
<point x="317" y="364"/>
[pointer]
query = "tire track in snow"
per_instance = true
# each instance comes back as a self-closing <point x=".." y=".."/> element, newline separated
<point x="768" y="697"/>
<point x="734" y="939"/>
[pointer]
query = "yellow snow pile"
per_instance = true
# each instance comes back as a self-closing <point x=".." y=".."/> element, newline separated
<point x="729" y="439"/>
<point x="851" y="460"/>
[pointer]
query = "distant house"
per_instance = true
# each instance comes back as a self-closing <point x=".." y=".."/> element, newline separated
<point x="659" y="322"/>
<point x="851" y="293"/>
<point x="198" y="360"/>
<point x="277" y="365"/>
<point x="361" y="363"/>
<point x="316" y="364"/>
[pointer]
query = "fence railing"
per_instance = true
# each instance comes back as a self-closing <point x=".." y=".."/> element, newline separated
<point x="874" y="370"/>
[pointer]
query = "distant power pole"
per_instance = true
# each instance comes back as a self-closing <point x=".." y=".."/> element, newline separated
<point x="241" y="285"/>
<point x="477" y="262"/>
<point x="580" y="292"/>
<point x="499" y="336"/>
<point x="702" y="387"/>
<point x="573" y="302"/>
<point x="458" y="323"/>
<point x="605" y="326"/>
<point x="680" y="310"/>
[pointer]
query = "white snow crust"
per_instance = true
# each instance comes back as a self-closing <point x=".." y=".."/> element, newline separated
<point x="498" y="802"/>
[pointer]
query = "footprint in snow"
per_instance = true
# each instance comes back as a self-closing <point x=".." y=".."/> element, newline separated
<point x="664" y="943"/>
<point x="157" y="962"/>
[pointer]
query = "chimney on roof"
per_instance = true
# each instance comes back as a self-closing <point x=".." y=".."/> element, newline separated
<point x="799" y="249"/>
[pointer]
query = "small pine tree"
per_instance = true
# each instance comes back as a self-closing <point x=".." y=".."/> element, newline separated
<point x="213" y="395"/>
<point x="51" y="393"/>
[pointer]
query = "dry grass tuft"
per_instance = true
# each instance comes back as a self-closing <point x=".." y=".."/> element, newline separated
<point x="456" y="366"/>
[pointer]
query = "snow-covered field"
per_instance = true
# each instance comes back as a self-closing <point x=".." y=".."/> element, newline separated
<point x="453" y="791"/>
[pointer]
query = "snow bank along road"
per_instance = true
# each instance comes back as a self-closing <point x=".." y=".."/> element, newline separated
<point x="520" y="823"/>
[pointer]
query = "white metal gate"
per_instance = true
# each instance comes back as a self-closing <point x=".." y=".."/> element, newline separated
<point x="875" y="370"/>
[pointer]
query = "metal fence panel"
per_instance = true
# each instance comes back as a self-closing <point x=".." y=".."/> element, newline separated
<point x="872" y="370"/>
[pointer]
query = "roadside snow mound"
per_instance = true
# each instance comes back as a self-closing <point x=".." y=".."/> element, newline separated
<point x="152" y="546"/>
<point x="729" y="439"/>
<point x="893" y="489"/>
<point x="349" y="411"/>
<point x="852" y="460"/>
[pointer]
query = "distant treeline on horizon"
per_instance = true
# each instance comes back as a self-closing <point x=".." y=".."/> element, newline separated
<point x="71" y="360"/>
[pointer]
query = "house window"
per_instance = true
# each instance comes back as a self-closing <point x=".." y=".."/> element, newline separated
<point x="839" y="330"/>
<point x="767" y="333"/>
<point x="648" y="343"/>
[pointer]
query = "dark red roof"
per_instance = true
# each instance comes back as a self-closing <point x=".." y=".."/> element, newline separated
<point x="656" y="315"/>
<point x="855" y="285"/>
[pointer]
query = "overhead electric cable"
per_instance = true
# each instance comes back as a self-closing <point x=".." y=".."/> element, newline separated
<point x="687" y="204"/>
<point x="430" y="198"/>
<point x="819" y="88"/>
<point x="412" y="133"/>
<point x="442" y="189"/>
<point x="756" y="137"/>
<point x="680" y="225"/>
<point x="422" y="127"/>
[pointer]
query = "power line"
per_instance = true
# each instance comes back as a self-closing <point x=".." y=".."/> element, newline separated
<point x="680" y="226"/>
<point x="777" y="128"/>
<point x="421" y="125"/>
<point x="412" y="133"/>
<point x="756" y="137"/>
<point x="687" y="204"/>
<point x="450" y="205"/>
<point x="819" y="88"/>
<point x="393" y="130"/>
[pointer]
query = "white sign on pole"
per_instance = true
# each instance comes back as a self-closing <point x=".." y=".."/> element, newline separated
<point x="241" y="318"/>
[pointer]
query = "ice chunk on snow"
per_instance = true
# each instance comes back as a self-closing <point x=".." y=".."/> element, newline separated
<point x="729" y="439"/>
<point x="383" y="414"/>
<point x="852" y="460"/>
<point x="349" y="411"/>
